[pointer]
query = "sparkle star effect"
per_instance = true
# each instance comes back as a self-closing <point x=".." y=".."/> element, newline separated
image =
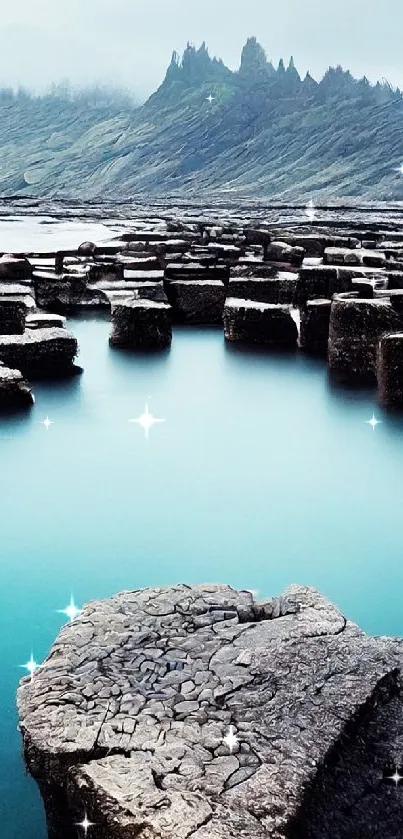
<point x="396" y="777"/>
<point x="210" y="98"/>
<point x="373" y="422"/>
<point x="71" y="611"/>
<point x="146" y="420"/>
<point x="230" y="739"/>
<point x="400" y="169"/>
<point x="85" y="825"/>
<point x="47" y="423"/>
<point x="31" y="666"/>
<point x="310" y="210"/>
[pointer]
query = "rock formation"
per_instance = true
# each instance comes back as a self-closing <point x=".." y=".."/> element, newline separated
<point x="355" y="329"/>
<point x="141" y="325"/>
<point x="14" y="389"/>
<point x="262" y="323"/>
<point x="49" y="351"/>
<point x="314" y="326"/>
<point x="194" y="711"/>
<point x="196" y="301"/>
<point x="390" y="370"/>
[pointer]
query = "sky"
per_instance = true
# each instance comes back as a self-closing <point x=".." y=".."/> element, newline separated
<point x="128" y="43"/>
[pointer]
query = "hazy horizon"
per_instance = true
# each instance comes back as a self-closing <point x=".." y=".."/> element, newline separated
<point x="130" y="47"/>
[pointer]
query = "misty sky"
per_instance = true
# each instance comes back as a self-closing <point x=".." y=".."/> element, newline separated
<point x="129" y="43"/>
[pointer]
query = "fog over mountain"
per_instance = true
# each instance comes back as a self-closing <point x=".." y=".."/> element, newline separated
<point x="128" y="43"/>
<point x="262" y="131"/>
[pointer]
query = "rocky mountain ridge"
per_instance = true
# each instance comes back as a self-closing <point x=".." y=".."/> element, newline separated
<point x="259" y="132"/>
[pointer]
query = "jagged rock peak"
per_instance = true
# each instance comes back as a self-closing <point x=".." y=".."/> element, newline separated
<point x="196" y="66"/>
<point x="253" y="59"/>
<point x="292" y="72"/>
<point x="281" y="68"/>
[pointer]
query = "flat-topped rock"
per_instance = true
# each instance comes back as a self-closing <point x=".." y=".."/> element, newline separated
<point x="194" y="711"/>
<point x="48" y="351"/>
<point x="196" y="301"/>
<point x="357" y="256"/>
<point x="356" y="326"/>
<point x="15" y="391"/>
<point x="279" y="289"/>
<point x="320" y="281"/>
<point x="196" y="271"/>
<point x="261" y="323"/>
<point x="141" y="324"/>
<point x="43" y="320"/>
<point x="66" y="292"/>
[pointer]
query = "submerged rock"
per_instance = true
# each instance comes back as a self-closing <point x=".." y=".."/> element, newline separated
<point x="15" y="391"/>
<point x="261" y="323"/>
<point x="48" y="351"/>
<point x="141" y="324"/>
<point x="193" y="711"/>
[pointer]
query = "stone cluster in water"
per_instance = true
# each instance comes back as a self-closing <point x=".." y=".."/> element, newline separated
<point x="126" y="723"/>
<point x="336" y="292"/>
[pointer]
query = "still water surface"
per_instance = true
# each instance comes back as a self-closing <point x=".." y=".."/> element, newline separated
<point x="261" y="475"/>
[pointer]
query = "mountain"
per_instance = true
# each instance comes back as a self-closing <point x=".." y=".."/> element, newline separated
<point x="261" y="131"/>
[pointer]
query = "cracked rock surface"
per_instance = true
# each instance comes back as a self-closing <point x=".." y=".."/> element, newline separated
<point x="125" y="719"/>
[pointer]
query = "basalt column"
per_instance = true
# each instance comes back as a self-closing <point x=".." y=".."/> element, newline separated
<point x="314" y="329"/>
<point x="141" y="324"/>
<point x="390" y="370"/>
<point x="356" y="327"/>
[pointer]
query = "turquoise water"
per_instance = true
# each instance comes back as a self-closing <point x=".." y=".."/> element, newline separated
<point x="261" y="475"/>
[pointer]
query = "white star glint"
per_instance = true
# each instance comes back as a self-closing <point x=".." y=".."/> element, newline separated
<point x="210" y="98"/>
<point x="31" y="666"/>
<point x="71" y="611"/>
<point x="146" y="420"/>
<point x="230" y="739"/>
<point x="310" y="210"/>
<point x="396" y="777"/>
<point x="400" y="169"/>
<point x="85" y="825"/>
<point x="373" y="422"/>
<point x="47" y="423"/>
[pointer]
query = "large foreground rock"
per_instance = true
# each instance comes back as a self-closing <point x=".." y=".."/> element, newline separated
<point x="141" y="324"/>
<point x="48" y="351"/>
<point x="260" y="323"/>
<point x="127" y="719"/>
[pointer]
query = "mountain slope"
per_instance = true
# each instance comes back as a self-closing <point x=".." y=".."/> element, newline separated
<point x="265" y="133"/>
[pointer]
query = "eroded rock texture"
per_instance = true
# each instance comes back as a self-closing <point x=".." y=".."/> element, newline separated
<point x="126" y="719"/>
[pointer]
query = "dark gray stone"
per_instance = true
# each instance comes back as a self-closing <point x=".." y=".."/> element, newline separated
<point x="261" y="323"/>
<point x="315" y="704"/>
<point x="279" y="289"/>
<point x="197" y="301"/>
<point x="314" y="326"/>
<point x="390" y="370"/>
<point x="141" y="324"/>
<point x="356" y="327"/>
<point x="14" y="268"/>
<point x="12" y="315"/>
<point x="42" y="351"/>
<point x="15" y="391"/>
